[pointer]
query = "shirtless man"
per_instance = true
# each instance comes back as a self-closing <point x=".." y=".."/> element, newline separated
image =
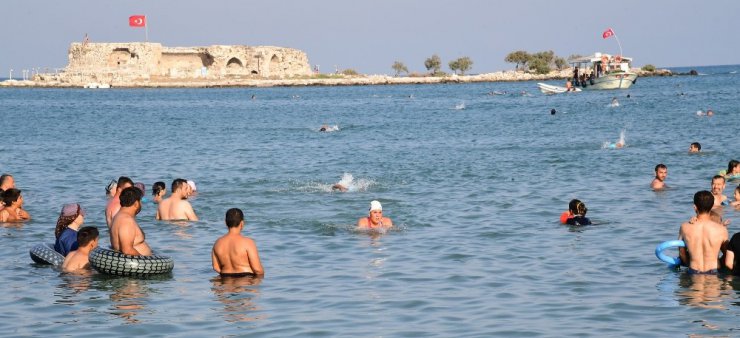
<point x="718" y="187"/>
<point x="704" y="238"/>
<point x="13" y="210"/>
<point x="176" y="207"/>
<point x="661" y="172"/>
<point x="115" y="204"/>
<point x="375" y="220"/>
<point x="87" y="239"/>
<point x="234" y="255"/>
<point x="125" y="234"/>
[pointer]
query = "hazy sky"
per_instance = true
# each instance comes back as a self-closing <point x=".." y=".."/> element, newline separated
<point x="369" y="36"/>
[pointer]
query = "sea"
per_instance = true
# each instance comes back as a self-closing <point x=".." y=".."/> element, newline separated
<point x="474" y="177"/>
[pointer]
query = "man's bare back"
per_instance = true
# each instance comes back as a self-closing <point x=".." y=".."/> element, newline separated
<point x="234" y="253"/>
<point x="127" y="237"/>
<point x="704" y="239"/>
<point x="176" y="208"/>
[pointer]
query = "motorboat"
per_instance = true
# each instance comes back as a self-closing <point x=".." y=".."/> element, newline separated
<point x="604" y="71"/>
<point x="550" y="89"/>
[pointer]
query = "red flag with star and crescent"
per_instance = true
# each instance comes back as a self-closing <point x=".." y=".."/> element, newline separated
<point x="137" y="21"/>
<point x="607" y="33"/>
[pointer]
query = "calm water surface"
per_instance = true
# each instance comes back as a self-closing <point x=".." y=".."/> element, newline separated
<point x="475" y="194"/>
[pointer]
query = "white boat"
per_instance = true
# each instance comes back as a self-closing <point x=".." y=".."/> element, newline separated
<point x="604" y="71"/>
<point x="550" y="89"/>
<point x="96" y="85"/>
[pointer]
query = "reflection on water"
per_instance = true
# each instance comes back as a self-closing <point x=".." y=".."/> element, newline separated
<point x="703" y="291"/>
<point x="237" y="295"/>
<point x="128" y="299"/>
<point x="71" y="285"/>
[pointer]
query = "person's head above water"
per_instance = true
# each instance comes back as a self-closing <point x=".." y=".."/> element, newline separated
<point x="130" y="196"/>
<point x="577" y="207"/>
<point x="123" y="183"/>
<point x="7" y="182"/>
<point x="69" y="214"/>
<point x="375" y="206"/>
<point x="179" y="185"/>
<point x="695" y="147"/>
<point x="234" y="217"/>
<point x="718" y="184"/>
<point x="86" y="235"/>
<point x="158" y="188"/>
<point x="703" y="202"/>
<point x="11" y="196"/>
<point x="733" y="167"/>
<point x="661" y="172"/>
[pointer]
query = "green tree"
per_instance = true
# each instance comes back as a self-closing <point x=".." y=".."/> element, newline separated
<point x="465" y="64"/>
<point x="560" y="63"/>
<point x="648" y="68"/>
<point x="519" y="57"/>
<point x="539" y="66"/>
<point x="454" y="65"/>
<point x="399" y="67"/>
<point x="433" y="64"/>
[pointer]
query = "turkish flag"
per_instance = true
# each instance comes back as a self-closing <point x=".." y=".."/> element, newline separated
<point x="137" y="20"/>
<point x="607" y="33"/>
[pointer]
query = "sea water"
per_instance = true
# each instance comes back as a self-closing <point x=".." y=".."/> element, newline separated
<point x="475" y="195"/>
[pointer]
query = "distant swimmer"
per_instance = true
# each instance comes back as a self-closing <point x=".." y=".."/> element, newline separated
<point x="576" y="214"/>
<point x="12" y="211"/>
<point x="614" y="102"/>
<point x="348" y="184"/>
<point x="695" y="147"/>
<point x="114" y="204"/>
<point x="704" y="238"/>
<point x="234" y="255"/>
<point x="125" y="234"/>
<point x="375" y="219"/>
<point x="326" y="128"/>
<point x="87" y="240"/>
<point x="553" y="111"/>
<point x="710" y="112"/>
<point x="661" y="172"/>
<point x="254" y="96"/>
<point x="718" y="189"/>
<point x="176" y="207"/>
<point x="616" y="145"/>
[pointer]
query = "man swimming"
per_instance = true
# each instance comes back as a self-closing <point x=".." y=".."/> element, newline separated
<point x="695" y="147"/>
<point x="176" y="207"/>
<point x="87" y="239"/>
<point x="115" y="204"/>
<point x="234" y="255"/>
<point x="661" y="172"/>
<point x="125" y="234"/>
<point x="375" y="219"/>
<point x="718" y="188"/>
<point x="704" y="238"/>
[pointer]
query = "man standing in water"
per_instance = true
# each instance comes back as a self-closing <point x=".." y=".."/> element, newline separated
<point x="375" y="220"/>
<point x="704" y="237"/>
<point x="234" y="255"/>
<point x="718" y="187"/>
<point x="125" y="234"/>
<point x="661" y="172"/>
<point x="176" y="207"/>
<point x="115" y="204"/>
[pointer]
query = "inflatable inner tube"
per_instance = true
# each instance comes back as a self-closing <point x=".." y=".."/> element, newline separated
<point x="673" y="261"/>
<point x="44" y="253"/>
<point x="115" y="263"/>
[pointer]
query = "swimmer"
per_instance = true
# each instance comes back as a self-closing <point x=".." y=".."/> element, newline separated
<point x="87" y="238"/>
<point x="577" y="213"/>
<point x="158" y="192"/>
<point x="733" y="169"/>
<point x="327" y="128"/>
<point x="115" y="204"/>
<point x="710" y="112"/>
<point x="375" y="219"/>
<point x="126" y="235"/>
<point x="234" y="255"/>
<point x="718" y="187"/>
<point x="553" y="111"/>
<point x="695" y="147"/>
<point x="700" y="113"/>
<point x="69" y="222"/>
<point x="176" y="207"/>
<point x="614" y="103"/>
<point x="661" y="172"/>
<point x="13" y="210"/>
<point x="736" y="203"/>
<point x="704" y="238"/>
<point x="617" y="145"/>
<point x="347" y="184"/>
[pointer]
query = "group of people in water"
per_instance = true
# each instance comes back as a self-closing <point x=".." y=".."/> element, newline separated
<point x="232" y="255"/>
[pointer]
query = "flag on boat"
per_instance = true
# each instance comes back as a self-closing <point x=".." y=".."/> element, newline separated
<point x="137" y="21"/>
<point x="607" y="33"/>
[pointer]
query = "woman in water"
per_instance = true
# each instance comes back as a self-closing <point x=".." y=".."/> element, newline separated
<point x="576" y="214"/>
<point x="375" y="220"/>
<point x="69" y="222"/>
<point x="13" y="210"/>
<point x="158" y="192"/>
<point x="733" y="170"/>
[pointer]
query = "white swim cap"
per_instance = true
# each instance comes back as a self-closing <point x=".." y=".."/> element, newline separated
<point x="375" y="205"/>
<point x="192" y="185"/>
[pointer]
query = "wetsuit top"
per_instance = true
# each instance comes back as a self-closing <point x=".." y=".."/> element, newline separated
<point x="370" y="224"/>
<point x="734" y="246"/>
<point x="66" y="242"/>
<point x="579" y="220"/>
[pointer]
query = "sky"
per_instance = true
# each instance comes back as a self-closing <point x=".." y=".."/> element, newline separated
<point x="369" y="36"/>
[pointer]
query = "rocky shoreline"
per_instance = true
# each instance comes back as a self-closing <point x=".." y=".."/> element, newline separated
<point x="57" y="81"/>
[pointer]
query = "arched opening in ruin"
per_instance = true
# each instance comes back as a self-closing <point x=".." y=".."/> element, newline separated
<point x="207" y="59"/>
<point x="234" y="63"/>
<point x="274" y="65"/>
<point x="119" y="57"/>
<point x="254" y="72"/>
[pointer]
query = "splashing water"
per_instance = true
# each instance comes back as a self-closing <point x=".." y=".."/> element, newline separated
<point x="619" y="144"/>
<point x="460" y="106"/>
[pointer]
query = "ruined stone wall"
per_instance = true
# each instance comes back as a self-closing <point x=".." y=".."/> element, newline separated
<point x="121" y="62"/>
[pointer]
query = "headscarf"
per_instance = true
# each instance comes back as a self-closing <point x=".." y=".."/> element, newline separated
<point x="69" y="214"/>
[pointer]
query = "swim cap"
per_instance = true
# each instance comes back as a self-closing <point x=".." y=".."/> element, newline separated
<point x="192" y="185"/>
<point x="375" y="205"/>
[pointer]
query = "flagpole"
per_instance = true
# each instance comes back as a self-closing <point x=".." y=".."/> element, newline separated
<point x="146" y="29"/>
<point x="618" y="43"/>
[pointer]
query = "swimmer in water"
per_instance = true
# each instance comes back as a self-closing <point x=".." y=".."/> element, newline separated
<point x="176" y="207"/>
<point x="718" y="188"/>
<point x="661" y="172"/>
<point x="617" y="145"/>
<point x="733" y="169"/>
<point x="235" y="255"/>
<point x="375" y="219"/>
<point x="614" y="103"/>
<point x="158" y="192"/>
<point x="577" y="210"/>
<point x="345" y="183"/>
<point x="87" y="239"/>
<point x="695" y="147"/>
<point x="326" y="128"/>
<point x="13" y="210"/>
<point x="736" y="203"/>
<point x="710" y="112"/>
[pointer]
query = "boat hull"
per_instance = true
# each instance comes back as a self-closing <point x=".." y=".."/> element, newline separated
<point x="614" y="81"/>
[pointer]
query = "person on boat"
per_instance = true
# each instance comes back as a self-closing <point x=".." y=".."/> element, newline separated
<point x="69" y="222"/>
<point x="235" y="255"/>
<point x="661" y="172"/>
<point x="733" y="169"/>
<point x="176" y="207"/>
<point x="158" y="191"/>
<point x="718" y="188"/>
<point x="375" y="219"/>
<point x="125" y="234"/>
<point x="13" y="210"/>
<point x="115" y="204"/>
<point x="695" y="147"/>
<point x="87" y="238"/>
<point x="576" y="214"/>
<point x="704" y="238"/>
